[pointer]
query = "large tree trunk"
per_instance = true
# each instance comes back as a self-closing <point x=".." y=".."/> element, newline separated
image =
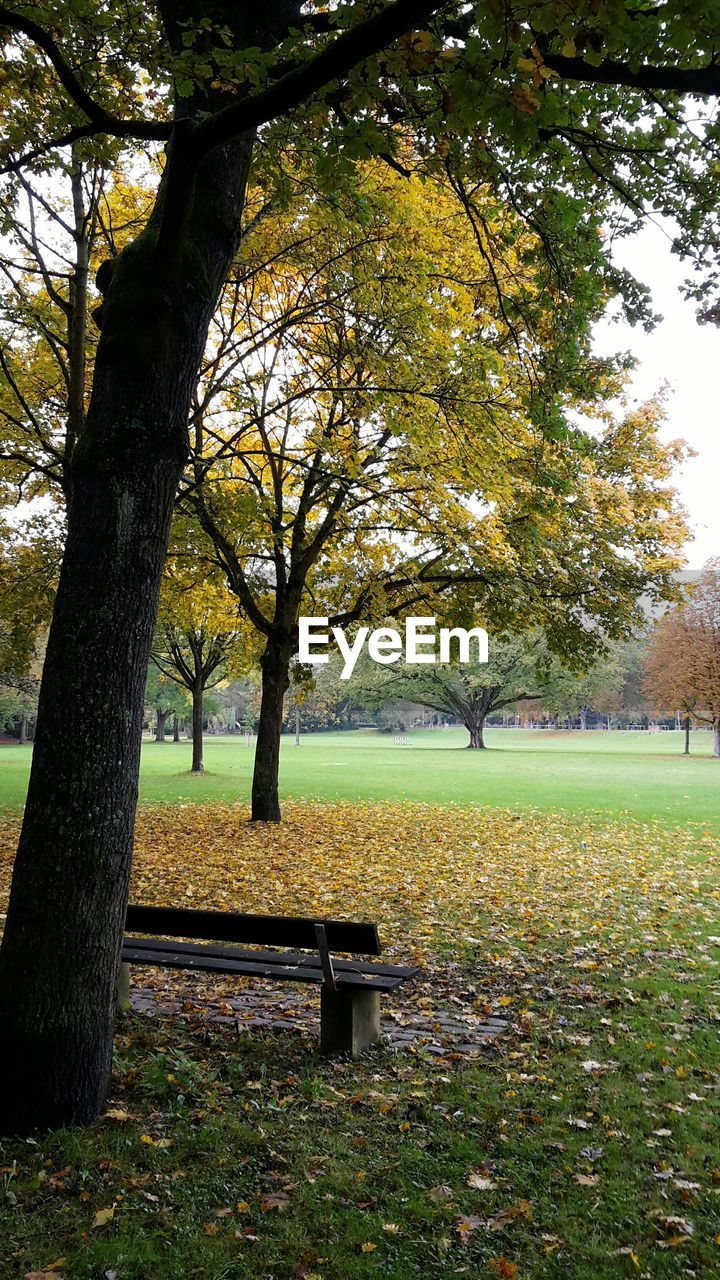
<point x="197" y="730"/>
<point x="60" y="951"/>
<point x="23" y="731"/>
<point x="275" y="681"/>
<point x="475" y="728"/>
<point x="160" y="724"/>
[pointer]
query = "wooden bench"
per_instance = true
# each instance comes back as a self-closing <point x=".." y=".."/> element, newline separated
<point x="349" y="989"/>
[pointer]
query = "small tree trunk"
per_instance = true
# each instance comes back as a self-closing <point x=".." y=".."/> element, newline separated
<point x="176" y="729"/>
<point x="23" y="731"/>
<point x="686" y="751"/>
<point x="716" y="739"/>
<point x="160" y="725"/>
<point x="583" y="718"/>
<point x="197" y="730"/>
<point x="275" y="681"/>
<point x="297" y="725"/>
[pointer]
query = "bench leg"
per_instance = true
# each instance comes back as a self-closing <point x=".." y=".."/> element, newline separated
<point x="349" y="1020"/>
<point x="123" y="987"/>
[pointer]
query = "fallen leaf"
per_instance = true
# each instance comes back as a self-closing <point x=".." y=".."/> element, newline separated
<point x="520" y="1209"/>
<point x="441" y="1193"/>
<point x="480" y="1182"/>
<point x="466" y="1225"/>
<point x="103" y="1216"/>
<point x="501" y="1267"/>
<point x="278" y="1200"/>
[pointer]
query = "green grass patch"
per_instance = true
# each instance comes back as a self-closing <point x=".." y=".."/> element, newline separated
<point x="593" y="774"/>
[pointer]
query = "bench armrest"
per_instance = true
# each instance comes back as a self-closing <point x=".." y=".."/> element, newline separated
<point x="329" y="979"/>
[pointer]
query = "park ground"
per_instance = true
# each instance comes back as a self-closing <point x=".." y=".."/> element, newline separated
<point x="584" y="1142"/>
<point x="590" y="775"/>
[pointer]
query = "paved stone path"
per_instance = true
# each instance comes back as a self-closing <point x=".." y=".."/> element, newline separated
<point x="433" y="1030"/>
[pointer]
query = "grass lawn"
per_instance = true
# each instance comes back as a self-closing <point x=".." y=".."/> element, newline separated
<point x="584" y="1144"/>
<point x="592" y="774"/>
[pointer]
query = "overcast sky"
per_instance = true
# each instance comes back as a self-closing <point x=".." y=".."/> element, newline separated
<point x="686" y="356"/>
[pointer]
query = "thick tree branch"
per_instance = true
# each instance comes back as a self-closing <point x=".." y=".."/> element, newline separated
<point x="701" y="80"/>
<point x="333" y="62"/>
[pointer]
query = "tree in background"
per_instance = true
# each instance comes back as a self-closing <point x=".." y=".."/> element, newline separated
<point x="199" y="641"/>
<point x="577" y="694"/>
<point x="682" y="668"/>
<point x="164" y="698"/>
<point x="520" y="668"/>
<point x="196" y="660"/>
<point x="29" y="560"/>
<point x="55" y="236"/>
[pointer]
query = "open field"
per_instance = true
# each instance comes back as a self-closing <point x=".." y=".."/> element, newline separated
<point x="591" y="774"/>
<point x="583" y="1145"/>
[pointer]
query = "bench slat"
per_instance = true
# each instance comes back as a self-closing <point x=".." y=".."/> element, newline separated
<point x="215" y="964"/>
<point x="269" y="957"/>
<point x="357" y="938"/>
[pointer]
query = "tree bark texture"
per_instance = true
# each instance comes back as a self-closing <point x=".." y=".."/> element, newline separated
<point x="60" y="951"/>
<point x="275" y="681"/>
<point x="160" y="724"/>
<point x="475" y="728"/>
<point x="687" y="736"/>
<point x="197" y="730"/>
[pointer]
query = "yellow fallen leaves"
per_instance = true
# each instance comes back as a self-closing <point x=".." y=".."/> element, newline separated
<point x="422" y="871"/>
<point x="103" y="1216"/>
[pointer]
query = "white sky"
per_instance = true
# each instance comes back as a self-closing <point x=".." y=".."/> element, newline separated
<point x="686" y="356"/>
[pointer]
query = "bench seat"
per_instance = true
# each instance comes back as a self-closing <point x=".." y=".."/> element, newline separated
<point x="350" y="988"/>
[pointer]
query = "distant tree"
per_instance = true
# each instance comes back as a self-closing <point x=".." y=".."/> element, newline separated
<point x="198" y="639"/>
<point x="682" y="669"/>
<point x="164" y="698"/>
<point x="29" y="560"/>
<point x="196" y="660"/>
<point x="574" y="695"/>
<point x="519" y="669"/>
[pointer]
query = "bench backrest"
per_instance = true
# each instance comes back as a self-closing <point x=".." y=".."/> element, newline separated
<point x="269" y="931"/>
